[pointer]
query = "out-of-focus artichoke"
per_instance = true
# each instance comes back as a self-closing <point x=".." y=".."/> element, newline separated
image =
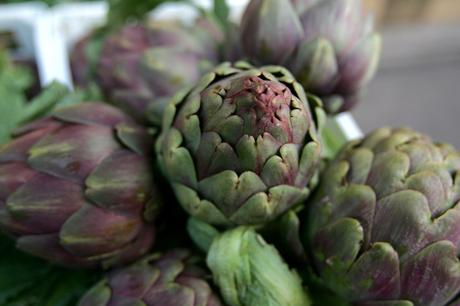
<point x="172" y="279"/>
<point x="384" y="228"/>
<point x="329" y="45"/>
<point x="76" y="188"/>
<point x="139" y="66"/>
<point x="251" y="272"/>
<point x="242" y="146"/>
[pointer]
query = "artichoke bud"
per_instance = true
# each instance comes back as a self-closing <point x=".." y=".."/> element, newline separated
<point x="134" y="67"/>
<point x="386" y="215"/>
<point x="329" y="45"/>
<point x="251" y="272"/>
<point x="75" y="187"/>
<point x="242" y="146"/>
<point x="170" y="279"/>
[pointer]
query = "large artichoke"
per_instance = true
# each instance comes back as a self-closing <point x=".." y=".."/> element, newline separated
<point x="76" y="188"/>
<point x="384" y="228"/>
<point x="329" y="45"/>
<point x="251" y="272"/>
<point x="141" y="65"/>
<point x="242" y="146"/>
<point x="171" y="279"/>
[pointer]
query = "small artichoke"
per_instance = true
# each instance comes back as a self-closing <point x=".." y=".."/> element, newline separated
<point x="329" y="45"/>
<point x="241" y="147"/>
<point x="384" y="228"/>
<point x="76" y="188"/>
<point x="171" y="279"/>
<point x="251" y="272"/>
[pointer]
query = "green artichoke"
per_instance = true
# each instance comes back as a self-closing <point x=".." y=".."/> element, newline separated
<point x="250" y="272"/>
<point x="76" y="188"/>
<point x="241" y="147"/>
<point x="384" y="228"/>
<point x="171" y="279"/>
<point x="329" y="45"/>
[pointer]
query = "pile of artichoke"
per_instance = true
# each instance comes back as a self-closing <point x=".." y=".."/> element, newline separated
<point x="203" y="181"/>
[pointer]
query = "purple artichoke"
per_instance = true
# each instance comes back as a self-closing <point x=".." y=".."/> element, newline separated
<point x="168" y="280"/>
<point x="141" y="66"/>
<point x="384" y="227"/>
<point x="242" y="146"/>
<point x="76" y="188"/>
<point x="329" y="45"/>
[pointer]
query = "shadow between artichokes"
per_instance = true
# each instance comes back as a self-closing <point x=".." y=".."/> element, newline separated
<point x="241" y="146"/>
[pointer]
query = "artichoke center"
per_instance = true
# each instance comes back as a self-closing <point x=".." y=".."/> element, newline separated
<point x="264" y="105"/>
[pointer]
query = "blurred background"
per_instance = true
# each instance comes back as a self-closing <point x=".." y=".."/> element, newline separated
<point x="418" y="83"/>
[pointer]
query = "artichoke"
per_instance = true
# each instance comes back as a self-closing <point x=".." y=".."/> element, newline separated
<point x="384" y="227"/>
<point x="171" y="279"/>
<point x="76" y="188"/>
<point x="139" y="66"/>
<point x="242" y="146"/>
<point x="251" y="272"/>
<point x="329" y="45"/>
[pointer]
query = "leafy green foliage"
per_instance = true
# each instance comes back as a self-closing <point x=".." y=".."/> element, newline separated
<point x="27" y="281"/>
<point x="14" y="107"/>
<point x="14" y="81"/>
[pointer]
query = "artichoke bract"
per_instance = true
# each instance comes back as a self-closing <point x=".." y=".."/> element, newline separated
<point x="384" y="227"/>
<point x="76" y="188"/>
<point x="329" y="45"/>
<point x="251" y="272"/>
<point x="171" y="279"/>
<point x="241" y="147"/>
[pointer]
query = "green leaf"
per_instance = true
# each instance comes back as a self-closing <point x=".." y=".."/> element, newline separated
<point x="28" y="281"/>
<point x="222" y="12"/>
<point x="14" y="81"/>
<point x="45" y="102"/>
<point x="15" y="110"/>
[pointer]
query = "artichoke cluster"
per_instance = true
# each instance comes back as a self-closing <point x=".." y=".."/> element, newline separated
<point x="204" y="182"/>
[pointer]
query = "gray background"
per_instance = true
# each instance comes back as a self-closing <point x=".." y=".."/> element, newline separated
<point x="418" y="82"/>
